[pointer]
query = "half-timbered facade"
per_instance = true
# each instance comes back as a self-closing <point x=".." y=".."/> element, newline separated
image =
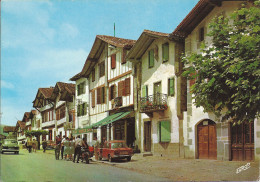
<point x="45" y="106"/>
<point x="157" y="94"/>
<point x="205" y="137"/>
<point x="63" y="98"/>
<point x="20" y="127"/>
<point x="110" y="87"/>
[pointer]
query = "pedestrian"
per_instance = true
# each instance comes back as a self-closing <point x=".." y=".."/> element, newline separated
<point x="44" y="145"/>
<point x="62" y="146"/>
<point x="34" y="145"/>
<point x="71" y="148"/>
<point x="57" y="149"/>
<point x="29" y="144"/>
<point x="95" y="145"/>
<point x="78" y="144"/>
<point x="66" y="148"/>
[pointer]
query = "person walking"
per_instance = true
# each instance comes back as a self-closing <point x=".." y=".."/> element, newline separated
<point x="62" y="146"/>
<point x="44" y="145"/>
<point x="66" y="148"/>
<point x="34" y="145"/>
<point x="29" y="144"/>
<point x="78" y="144"/>
<point x="57" y="149"/>
<point x="71" y="148"/>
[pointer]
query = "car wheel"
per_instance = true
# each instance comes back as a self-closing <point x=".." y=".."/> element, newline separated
<point x="128" y="158"/>
<point x="110" y="159"/>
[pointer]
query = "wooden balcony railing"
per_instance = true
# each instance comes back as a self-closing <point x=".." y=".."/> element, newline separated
<point x="153" y="103"/>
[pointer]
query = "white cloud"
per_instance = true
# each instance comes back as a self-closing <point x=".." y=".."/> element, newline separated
<point x="6" y="85"/>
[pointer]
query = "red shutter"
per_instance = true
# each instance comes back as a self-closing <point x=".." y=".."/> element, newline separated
<point x="123" y="56"/>
<point x="127" y="86"/>
<point x="98" y="95"/>
<point x="93" y="98"/>
<point x="113" y="61"/>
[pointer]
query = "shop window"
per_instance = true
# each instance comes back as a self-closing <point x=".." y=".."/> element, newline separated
<point x="164" y="131"/>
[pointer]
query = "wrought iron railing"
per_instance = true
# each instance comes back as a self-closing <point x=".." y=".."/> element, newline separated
<point x="155" y="102"/>
<point x="118" y="101"/>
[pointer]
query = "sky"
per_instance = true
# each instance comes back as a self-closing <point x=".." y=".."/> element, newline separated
<point x="44" y="42"/>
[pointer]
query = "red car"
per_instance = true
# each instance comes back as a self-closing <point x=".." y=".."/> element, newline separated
<point x="115" y="149"/>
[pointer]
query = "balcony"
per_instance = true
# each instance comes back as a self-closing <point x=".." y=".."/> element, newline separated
<point x="153" y="103"/>
<point x="118" y="101"/>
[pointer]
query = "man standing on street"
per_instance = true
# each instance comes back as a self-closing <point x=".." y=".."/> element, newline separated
<point x="62" y="146"/>
<point x="44" y="145"/>
<point x="57" y="149"/>
<point x="78" y="144"/>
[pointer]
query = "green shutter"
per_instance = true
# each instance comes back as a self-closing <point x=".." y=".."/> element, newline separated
<point x="78" y="88"/>
<point x="159" y="131"/>
<point x="171" y="87"/>
<point x="78" y="110"/>
<point x="144" y="91"/>
<point x="151" y="58"/>
<point x="81" y="109"/>
<point x="165" y="131"/>
<point x="165" y="48"/>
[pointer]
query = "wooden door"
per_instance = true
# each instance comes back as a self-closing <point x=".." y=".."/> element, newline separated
<point x="147" y="136"/>
<point x="242" y="142"/>
<point x="207" y="140"/>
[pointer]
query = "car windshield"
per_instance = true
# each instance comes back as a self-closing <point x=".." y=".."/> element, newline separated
<point x="118" y="145"/>
<point x="10" y="141"/>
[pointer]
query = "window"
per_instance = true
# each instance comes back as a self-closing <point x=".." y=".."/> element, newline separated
<point x="93" y="75"/>
<point x="60" y="112"/>
<point x="93" y="98"/>
<point x="112" y="92"/>
<point x="103" y="95"/>
<point x="164" y="131"/>
<point x="165" y="52"/>
<point x="171" y="87"/>
<point x="127" y="86"/>
<point x="151" y="58"/>
<point x="113" y="61"/>
<point x="201" y="34"/>
<point x="81" y="88"/>
<point x="123" y="61"/>
<point x="121" y="88"/>
<point x="145" y="91"/>
<point x="102" y="69"/>
<point x="82" y="109"/>
<point x="157" y="88"/>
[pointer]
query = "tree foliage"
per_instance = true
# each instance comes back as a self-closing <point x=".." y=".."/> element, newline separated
<point x="227" y="71"/>
<point x="36" y="133"/>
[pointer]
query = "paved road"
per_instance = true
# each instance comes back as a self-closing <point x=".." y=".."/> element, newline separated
<point x="43" y="167"/>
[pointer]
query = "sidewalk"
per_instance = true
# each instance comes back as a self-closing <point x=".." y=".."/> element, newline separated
<point x="188" y="169"/>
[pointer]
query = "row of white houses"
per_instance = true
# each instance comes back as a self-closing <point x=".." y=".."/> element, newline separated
<point x="134" y="91"/>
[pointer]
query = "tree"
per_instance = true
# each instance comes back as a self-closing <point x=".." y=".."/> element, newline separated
<point x="227" y="72"/>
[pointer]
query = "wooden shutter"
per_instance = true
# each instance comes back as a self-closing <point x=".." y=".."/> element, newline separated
<point x="151" y="58"/>
<point x="98" y="95"/>
<point x="127" y="86"/>
<point x="93" y="75"/>
<point x="109" y="93"/>
<point x="165" y="131"/>
<point x="114" y="92"/>
<point x="171" y="86"/>
<point x="165" y="51"/>
<point x="121" y="88"/>
<point x="103" y="95"/>
<point x="145" y="91"/>
<point x="113" y="61"/>
<point x="93" y="98"/>
<point x="123" y="56"/>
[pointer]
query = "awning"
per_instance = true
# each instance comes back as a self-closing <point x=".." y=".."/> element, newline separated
<point x="79" y="131"/>
<point x="111" y="118"/>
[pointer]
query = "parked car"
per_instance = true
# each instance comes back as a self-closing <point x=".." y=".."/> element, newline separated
<point x="10" y="145"/>
<point x="115" y="149"/>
